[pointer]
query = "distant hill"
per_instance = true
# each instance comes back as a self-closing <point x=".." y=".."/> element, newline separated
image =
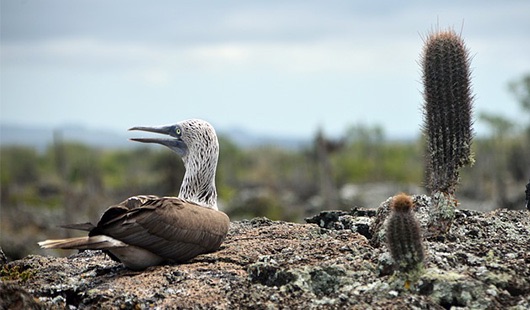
<point x="42" y="137"/>
<point x="244" y="138"/>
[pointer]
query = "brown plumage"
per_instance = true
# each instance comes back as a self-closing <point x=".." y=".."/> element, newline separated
<point x="143" y="231"/>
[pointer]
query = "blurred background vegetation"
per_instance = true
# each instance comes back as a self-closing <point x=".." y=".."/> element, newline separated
<point x="70" y="182"/>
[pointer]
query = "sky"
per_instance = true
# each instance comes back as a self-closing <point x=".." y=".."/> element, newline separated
<point x="278" y="68"/>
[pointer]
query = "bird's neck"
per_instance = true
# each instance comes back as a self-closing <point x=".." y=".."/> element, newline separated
<point x="198" y="184"/>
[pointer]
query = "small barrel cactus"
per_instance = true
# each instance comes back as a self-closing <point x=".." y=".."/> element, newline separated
<point x="403" y="234"/>
<point x="448" y="121"/>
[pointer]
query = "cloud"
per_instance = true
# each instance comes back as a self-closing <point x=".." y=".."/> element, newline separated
<point x="282" y="56"/>
<point x="293" y="37"/>
<point x="318" y="56"/>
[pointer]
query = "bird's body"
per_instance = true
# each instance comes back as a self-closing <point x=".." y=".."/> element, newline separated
<point x="143" y="231"/>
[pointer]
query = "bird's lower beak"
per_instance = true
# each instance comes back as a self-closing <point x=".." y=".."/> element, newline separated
<point x="176" y="144"/>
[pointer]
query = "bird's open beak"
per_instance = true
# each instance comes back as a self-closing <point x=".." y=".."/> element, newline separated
<point x="175" y="142"/>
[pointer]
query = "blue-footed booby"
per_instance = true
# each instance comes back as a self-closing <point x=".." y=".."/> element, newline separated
<point x="143" y="231"/>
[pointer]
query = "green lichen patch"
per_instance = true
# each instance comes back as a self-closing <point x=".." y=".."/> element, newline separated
<point x="15" y="273"/>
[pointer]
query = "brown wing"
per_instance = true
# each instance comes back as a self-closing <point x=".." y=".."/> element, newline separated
<point x="168" y="226"/>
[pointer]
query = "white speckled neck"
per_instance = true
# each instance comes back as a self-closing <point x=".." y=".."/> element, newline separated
<point x="200" y="162"/>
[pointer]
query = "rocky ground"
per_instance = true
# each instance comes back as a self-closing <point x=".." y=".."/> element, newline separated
<point x="338" y="260"/>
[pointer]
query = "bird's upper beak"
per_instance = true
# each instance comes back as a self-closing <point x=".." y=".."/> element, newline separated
<point x="175" y="142"/>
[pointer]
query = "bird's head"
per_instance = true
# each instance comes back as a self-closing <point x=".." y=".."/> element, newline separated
<point x="193" y="137"/>
<point x="196" y="143"/>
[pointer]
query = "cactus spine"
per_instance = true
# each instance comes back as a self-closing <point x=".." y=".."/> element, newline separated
<point x="448" y="124"/>
<point x="403" y="234"/>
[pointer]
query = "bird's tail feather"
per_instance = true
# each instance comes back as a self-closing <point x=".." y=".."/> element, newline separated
<point x="100" y="242"/>
<point x="84" y="226"/>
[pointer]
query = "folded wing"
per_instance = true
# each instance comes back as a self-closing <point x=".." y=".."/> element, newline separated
<point x="168" y="226"/>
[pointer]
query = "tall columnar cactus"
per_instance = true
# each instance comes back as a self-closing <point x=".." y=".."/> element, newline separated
<point x="448" y="123"/>
<point x="403" y="234"/>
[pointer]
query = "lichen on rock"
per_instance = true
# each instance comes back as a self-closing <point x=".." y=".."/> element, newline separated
<point x="264" y="264"/>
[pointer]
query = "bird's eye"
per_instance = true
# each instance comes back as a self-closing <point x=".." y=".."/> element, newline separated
<point x="178" y="131"/>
